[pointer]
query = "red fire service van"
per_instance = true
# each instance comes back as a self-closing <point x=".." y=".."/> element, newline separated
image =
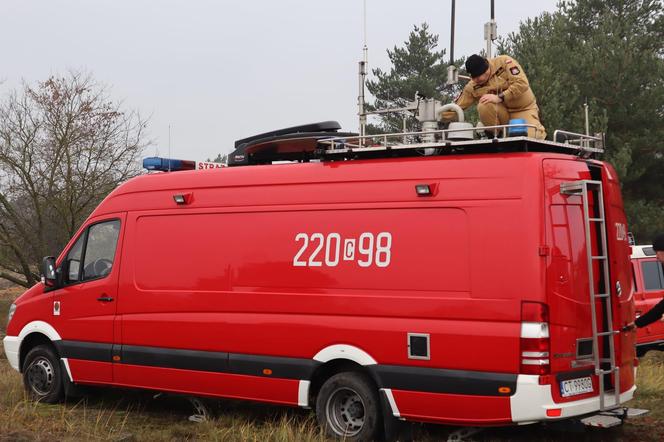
<point x="430" y="276"/>
<point x="648" y="291"/>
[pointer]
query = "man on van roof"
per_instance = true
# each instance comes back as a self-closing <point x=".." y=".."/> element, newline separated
<point x="657" y="311"/>
<point x="501" y="90"/>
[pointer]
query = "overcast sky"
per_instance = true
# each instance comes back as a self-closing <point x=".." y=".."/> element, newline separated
<point x="217" y="71"/>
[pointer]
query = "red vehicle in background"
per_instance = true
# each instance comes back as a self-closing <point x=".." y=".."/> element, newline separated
<point x="648" y="291"/>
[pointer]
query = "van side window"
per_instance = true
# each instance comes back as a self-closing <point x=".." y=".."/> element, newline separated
<point x="74" y="258"/>
<point x="92" y="256"/>
<point x="100" y="249"/>
<point x="653" y="278"/>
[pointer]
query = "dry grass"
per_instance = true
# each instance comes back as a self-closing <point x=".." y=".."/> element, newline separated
<point x="107" y="414"/>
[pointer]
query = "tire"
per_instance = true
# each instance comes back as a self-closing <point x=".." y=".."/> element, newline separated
<point x="42" y="375"/>
<point x="347" y="407"/>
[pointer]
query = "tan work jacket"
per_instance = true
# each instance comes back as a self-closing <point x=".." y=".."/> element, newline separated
<point x="507" y="76"/>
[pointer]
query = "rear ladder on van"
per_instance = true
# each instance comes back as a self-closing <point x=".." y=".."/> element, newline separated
<point x="582" y="188"/>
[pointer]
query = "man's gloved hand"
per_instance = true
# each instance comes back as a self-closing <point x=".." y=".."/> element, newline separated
<point x="629" y="327"/>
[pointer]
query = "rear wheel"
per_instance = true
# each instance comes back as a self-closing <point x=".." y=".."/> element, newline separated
<point x="347" y="407"/>
<point x="42" y="375"/>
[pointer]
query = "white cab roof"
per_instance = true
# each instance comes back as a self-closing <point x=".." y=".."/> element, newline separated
<point x="643" y="251"/>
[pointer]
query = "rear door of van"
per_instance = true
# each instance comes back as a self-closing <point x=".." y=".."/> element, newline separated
<point x="568" y="284"/>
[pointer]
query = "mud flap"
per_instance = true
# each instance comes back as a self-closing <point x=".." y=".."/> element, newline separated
<point x="71" y="390"/>
<point x="394" y="429"/>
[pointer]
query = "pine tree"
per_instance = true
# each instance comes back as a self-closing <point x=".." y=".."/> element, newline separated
<point x="417" y="67"/>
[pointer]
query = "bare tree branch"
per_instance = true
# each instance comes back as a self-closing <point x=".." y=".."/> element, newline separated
<point x="13" y="279"/>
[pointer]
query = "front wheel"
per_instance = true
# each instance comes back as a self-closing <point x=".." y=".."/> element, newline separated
<point x="42" y="375"/>
<point x="347" y="407"/>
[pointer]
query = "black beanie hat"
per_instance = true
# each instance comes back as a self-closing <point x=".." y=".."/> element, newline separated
<point x="476" y="65"/>
<point x="658" y="243"/>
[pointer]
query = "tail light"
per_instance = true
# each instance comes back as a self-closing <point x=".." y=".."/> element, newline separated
<point x="535" y="344"/>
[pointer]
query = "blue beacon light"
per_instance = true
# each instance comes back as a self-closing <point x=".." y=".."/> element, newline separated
<point x="517" y="127"/>
<point x="167" y="164"/>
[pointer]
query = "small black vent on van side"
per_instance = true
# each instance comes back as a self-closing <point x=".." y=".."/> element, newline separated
<point x="418" y="346"/>
<point x="584" y="348"/>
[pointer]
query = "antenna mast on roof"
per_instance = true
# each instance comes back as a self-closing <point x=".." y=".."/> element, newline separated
<point x="363" y="77"/>
<point x="490" y="30"/>
<point x="452" y="72"/>
<point x="490" y="34"/>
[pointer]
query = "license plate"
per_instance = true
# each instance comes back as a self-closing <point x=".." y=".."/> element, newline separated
<point x="574" y="387"/>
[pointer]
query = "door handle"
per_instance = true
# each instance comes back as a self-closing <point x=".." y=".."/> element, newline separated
<point x="105" y="299"/>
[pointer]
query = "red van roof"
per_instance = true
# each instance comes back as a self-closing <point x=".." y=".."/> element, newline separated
<point x="483" y="176"/>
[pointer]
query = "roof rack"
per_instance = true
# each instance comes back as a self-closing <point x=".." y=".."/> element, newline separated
<point x="439" y="141"/>
<point x="322" y="141"/>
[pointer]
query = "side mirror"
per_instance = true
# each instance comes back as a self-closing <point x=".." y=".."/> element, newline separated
<point x="49" y="274"/>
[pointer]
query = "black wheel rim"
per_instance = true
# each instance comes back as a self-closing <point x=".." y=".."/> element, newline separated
<point x="345" y="412"/>
<point x="41" y="376"/>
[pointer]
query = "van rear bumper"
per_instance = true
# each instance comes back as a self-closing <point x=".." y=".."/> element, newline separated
<point x="11" y="345"/>
<point x="531" y="401"/>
